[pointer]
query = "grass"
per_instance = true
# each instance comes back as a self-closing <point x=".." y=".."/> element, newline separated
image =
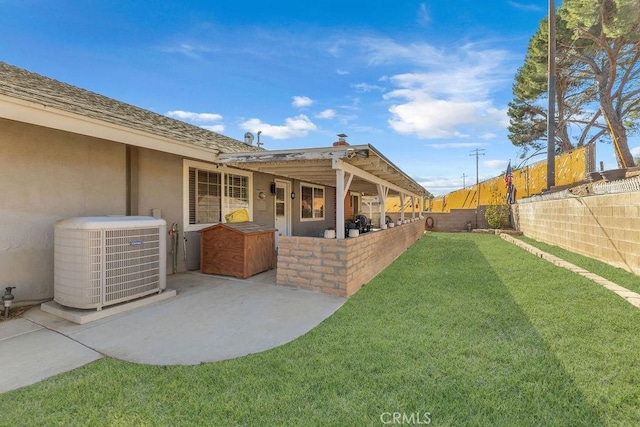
<point x="617" y="275"/>
<point x="462" y="329"/>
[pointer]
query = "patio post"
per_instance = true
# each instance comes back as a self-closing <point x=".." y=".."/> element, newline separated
<point x="383" y="191"/>
<point x="413" y="206"/>
<point x="339" y="203"/>
<point x="402" y="207"/>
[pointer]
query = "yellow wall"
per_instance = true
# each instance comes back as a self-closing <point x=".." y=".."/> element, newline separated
<point x="393" y="204"/>
<point x="571" y="167"/>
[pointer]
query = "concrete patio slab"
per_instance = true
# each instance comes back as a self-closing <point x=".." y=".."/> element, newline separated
<point x="212" y="318"/>
<point x="36" y="354"/>
<point x="85" y="316"/>
<point x="16" y="328"/>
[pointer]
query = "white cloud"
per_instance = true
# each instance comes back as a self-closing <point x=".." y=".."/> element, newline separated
<point x="195" y="117"/>
<point x="488" y="135"/>
<point x="326" y="114"/>
<point x="386" y="51"/>
<point x="215" y="128"/>
<point x="635" y="151"/>
<point x="443" y="185"/>
<point x="423" y="15"/>
<point x="366" y="87"/>
<point x="452" y="99"/>
<point x="297" y="126"/>
<point x="496" y="164"/>
<point x="527" y="6"/>
<point x="189" y="50"/>
<point x="430" y="118"/>
<point x="342" y="72"/>
<point x="301" y="101"/>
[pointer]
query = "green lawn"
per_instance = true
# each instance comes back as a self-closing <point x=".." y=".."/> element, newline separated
<point x="617" y="275"/>
<point x="467" y="328"/>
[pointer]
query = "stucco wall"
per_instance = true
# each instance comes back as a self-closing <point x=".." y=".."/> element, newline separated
<point x="263" y="209"/>
<point x="160" y="186"/>
<point x="342" y="267"/>
<point x="605" y="227"/>
<point x="48" y="175"/>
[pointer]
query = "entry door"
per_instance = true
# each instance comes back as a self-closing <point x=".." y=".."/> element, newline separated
<point x="283" y="209"/>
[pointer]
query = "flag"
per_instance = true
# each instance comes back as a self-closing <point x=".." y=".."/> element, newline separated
<point x="508" y="182"/>
<point x="508" y="176"/>
<point x="511" y="194"/>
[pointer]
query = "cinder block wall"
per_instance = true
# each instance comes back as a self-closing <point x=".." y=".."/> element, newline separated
<point x="342" y="267"/>
<point x="605" y="227"/>
<point x="457" y="219"/>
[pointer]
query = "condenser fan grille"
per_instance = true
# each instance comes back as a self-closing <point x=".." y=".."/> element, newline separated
<point x="132" y="262"/>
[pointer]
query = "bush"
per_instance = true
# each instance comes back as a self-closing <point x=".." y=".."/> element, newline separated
<point x="498" y="216"/>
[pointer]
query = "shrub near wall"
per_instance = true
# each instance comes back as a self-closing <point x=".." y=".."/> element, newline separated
<point x="605" y="227"/>
<point x="341" y="267"/>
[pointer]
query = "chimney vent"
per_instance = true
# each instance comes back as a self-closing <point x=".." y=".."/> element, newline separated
<point x="341" y="140"/>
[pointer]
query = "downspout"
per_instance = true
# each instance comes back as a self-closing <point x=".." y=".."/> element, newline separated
<point x="131" y="165"/>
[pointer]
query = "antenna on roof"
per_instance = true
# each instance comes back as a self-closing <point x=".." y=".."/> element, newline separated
<point x="248" y="138"/>
<point x="259" y="144"/>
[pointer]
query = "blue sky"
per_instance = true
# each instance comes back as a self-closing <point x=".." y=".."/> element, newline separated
<point x="425" y="82"/>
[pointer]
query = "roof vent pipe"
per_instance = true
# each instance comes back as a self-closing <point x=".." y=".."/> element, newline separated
<point x="248" y="138"/>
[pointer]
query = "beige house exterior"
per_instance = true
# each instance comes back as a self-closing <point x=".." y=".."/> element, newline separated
<point x="68" y="152"/>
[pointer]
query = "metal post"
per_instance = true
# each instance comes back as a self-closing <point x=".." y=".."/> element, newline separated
<point x="477" y="152"/>
<point x="551" y="83"/>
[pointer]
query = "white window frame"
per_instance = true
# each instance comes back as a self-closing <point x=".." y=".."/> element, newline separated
<point x="186" y="164"/>
<point x="324" y="199"/>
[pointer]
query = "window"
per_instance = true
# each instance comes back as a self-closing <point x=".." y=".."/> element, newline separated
<point x="311" y="202"/>
<point x="210" y="194"/>
<point x="204" y="197"/>
<point x="236" y="192"/>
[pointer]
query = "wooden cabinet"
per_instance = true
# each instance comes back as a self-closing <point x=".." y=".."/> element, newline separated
<point x="240" y="249"/>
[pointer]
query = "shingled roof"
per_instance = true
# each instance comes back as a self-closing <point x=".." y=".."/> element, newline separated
<point x="31" y="87"/>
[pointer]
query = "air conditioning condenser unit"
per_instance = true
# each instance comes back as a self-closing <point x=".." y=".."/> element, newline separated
<point x="100" y="261"/>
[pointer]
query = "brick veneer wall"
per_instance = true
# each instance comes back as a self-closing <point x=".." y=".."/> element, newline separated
<point x="456" y="220"/>
<point x="341" y="267"/>
<point x="605" y="227"/>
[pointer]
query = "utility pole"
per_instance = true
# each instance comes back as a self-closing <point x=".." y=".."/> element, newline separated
<point x="551" y="85"/>
<point x="464" y="183"/>
<point x="477" y="152"/>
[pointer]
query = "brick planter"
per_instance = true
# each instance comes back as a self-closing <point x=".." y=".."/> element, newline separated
<point x="342" y="267"/>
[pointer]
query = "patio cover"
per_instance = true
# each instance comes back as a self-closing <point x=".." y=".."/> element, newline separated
<point x="359" y="168"/>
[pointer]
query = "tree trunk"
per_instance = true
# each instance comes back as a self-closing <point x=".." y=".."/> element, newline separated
<point x="618" y="133"/>
<point x="562" y="135"/>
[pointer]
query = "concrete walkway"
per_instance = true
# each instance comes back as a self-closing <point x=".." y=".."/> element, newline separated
<point x="212" y="318"/>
